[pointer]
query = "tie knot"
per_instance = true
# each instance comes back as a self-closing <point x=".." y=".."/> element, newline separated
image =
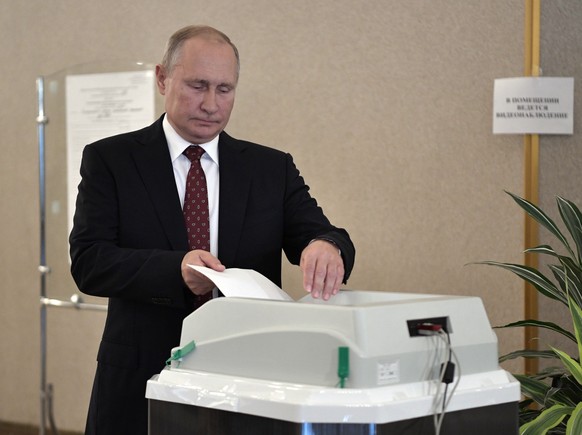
<point x="194" y="152"/>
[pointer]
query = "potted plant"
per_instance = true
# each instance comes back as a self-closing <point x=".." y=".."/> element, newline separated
<point x="553" y="397"/>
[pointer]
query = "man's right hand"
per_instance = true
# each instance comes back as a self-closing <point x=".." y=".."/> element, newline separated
<point x="196" y="282"/>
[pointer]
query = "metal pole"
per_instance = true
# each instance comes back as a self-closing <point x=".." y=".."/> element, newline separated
<point x="41" y="121"/>
<point x="76" y="302"/>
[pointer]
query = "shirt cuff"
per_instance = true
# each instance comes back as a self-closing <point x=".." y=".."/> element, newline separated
<point x="325" y="239"/>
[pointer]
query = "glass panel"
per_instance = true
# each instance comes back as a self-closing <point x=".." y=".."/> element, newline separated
<point x="59" y="283"/>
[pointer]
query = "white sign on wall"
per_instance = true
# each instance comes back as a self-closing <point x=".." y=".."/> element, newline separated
<point x="533" y="105"/>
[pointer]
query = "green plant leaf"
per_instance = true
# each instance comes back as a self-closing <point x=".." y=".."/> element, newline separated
<point x="534" y="277"/>
<point x="567" y="275"/>
<point x="527" y="353"/>
<point x="565" y="390"/>
<point x="569" y="267"/>
<point x="527" y="414"/>
<point x="560" y="396"/>
<point x="574" y="426"/>
<point x="542" y="249"/>
<point x="562" y="390"/>
<point x="548" y="419"/>
<point x="545" y="394"/>
<point x="576" y="314"/>
<point x="532" y="388"/>
<point x="538" y="215"/>
<point x="571" y="364"/>
<point x="551" y="372"/>
<point x="557" y="390"/>
<point x="573" y="220"/>
<point x="540" y="324"/>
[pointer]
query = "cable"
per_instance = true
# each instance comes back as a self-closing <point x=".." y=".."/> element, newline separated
<point x="446" y="373"/>
<point x="447" y="376"/>
<point x="438" y="419"/>
<point x="434" y="331"/>
<point x="458" y="366"/>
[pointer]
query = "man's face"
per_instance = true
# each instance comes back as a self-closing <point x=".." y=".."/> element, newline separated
<point x="199" y="91"/>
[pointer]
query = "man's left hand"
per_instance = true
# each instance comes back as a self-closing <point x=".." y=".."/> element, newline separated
<point x="323" y="269"/>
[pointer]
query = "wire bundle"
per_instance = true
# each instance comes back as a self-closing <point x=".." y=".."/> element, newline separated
<point x="446" y="372"/>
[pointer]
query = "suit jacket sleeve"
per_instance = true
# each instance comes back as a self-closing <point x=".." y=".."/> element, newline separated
<point x="266" y="208"/>
<point x="306" y="221"/>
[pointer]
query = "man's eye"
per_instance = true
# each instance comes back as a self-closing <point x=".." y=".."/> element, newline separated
<point x="197" y="86"/>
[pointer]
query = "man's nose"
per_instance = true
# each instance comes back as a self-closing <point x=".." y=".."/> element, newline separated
<point x="209" y="104"/>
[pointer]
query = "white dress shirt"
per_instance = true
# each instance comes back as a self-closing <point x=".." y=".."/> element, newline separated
<point x="181" y="165"/>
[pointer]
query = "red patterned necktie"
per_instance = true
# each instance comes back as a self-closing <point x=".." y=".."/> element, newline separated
<point x="196" y="215"/>
<point x="196" y="202"/>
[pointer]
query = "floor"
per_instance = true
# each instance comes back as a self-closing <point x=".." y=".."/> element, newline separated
<point x="21" y="429"/>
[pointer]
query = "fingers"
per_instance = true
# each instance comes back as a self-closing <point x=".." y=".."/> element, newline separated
<point x="324" y="282"/>
<point x="212" y="262"/>
<point x="321" y="263"/>
<point x="197" y="282"/>
<point x="203" y="258"/>
<point x="323" y="269"/>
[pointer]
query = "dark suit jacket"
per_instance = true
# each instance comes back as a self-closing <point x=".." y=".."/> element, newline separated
<point x="129" y="239"/>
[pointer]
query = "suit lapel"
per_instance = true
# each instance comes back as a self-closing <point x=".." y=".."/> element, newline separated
<point x="235" y="183"/>
<point x="152" y="160"/>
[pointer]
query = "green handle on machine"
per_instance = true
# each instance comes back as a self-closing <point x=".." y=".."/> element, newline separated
<point x="343" y="365"/>
<point x="183" y="351"/>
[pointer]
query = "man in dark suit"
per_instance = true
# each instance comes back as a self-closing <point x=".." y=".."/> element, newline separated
<point x="129" y="242"/>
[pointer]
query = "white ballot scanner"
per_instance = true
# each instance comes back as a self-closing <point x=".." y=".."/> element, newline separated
<point x="391" y="362"/>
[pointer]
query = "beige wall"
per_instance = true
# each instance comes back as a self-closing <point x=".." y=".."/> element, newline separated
<point x="560" y="156"/>
<point x="385" y="105"/>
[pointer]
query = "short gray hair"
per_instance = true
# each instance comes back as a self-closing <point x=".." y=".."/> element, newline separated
<point x="176" y="41"/>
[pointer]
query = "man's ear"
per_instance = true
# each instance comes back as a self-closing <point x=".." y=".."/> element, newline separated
<point x="161" y="77"/>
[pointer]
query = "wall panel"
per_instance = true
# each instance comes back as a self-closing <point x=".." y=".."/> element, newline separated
<point x="386" y="107"/>
<point x="560" y="156"/>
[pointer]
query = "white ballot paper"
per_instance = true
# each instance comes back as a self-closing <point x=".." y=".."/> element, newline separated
<point x="245" y="283"/>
